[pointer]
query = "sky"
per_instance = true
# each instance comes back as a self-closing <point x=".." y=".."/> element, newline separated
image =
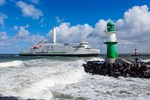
<point x="24" y="22"/>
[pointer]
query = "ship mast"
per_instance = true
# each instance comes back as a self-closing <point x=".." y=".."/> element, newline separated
<point x="54" y="36"/>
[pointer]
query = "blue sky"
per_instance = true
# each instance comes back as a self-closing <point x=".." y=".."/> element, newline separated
<point x="23" y="20"/>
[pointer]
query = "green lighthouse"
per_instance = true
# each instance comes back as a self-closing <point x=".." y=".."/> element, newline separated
<point x="111" y="43"/>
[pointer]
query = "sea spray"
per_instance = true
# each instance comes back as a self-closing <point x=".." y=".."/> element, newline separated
<point x="38" y="77"/>
<point x="15" y="81"/>
<point x="147" y="60"/>
<point x="16" y="63"/>
<point x="96" y="59"/>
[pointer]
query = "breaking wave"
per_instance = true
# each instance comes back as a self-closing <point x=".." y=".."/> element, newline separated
<point x="36" y="81"/>
<point x="96" y="59"/>
<point x="65" y="79"/>
<point x="146" y="60"/>
<point x="16" y="63"/>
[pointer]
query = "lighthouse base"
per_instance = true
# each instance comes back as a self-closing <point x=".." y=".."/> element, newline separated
<point x="110" y="60"/>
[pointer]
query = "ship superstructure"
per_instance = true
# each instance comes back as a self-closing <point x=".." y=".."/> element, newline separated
<point x="43" y="48"/>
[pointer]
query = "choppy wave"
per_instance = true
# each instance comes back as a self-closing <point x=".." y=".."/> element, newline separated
<point x="96" y="59"/>
<point x="16" y="63"/>
<point x="146" y="60"/>
<point x="55" y="79"/>
<point x="37" y="80"/>
<point x="96" y="87"/>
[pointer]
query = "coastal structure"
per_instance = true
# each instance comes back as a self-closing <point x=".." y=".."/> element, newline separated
<point x="43" y="48"/>
<point x="118" y="69"/>
<point x="111" y="43"/>
<point x="114" y="66"/>
<point x="136" y="53"/>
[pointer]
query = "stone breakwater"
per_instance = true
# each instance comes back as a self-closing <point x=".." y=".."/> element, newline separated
<point x="13" y="98"/>
<point x="141" y="70"/>
<point x="9" y="98"/>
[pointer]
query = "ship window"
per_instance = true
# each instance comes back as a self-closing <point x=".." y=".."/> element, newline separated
<point x="66" y="44"/>
<point x="74" y="46"/>
<point x="81" y="46"/>
<point x="47" y="48"/>
<point x="52" y="49"/>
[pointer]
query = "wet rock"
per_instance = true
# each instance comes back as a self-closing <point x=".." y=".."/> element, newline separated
<point x="118" y="69"/>
<point x="12" y="98"/>
<point x="117" y="74"/>
<point x="147" y="73"/>
<point x="9" y="98"/>
<point x="127" y="75"/>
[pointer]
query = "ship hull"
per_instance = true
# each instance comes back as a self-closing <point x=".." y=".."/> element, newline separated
<point x="67" y="55"/>
<point x="46" y="49"/>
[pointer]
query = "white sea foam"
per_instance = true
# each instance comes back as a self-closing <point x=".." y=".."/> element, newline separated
<point x="96" y="59"/>
<point x="37" y="80"/>
<point x="96" y="87"/>
<point x="62" y="76"/>
<point x="16" y="63"/>
<point x="47" y="79"/>
<point x="41" y="89"/>
<point x="146" y="60"/>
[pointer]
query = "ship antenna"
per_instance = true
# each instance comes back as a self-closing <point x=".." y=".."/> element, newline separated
<point x="54" y="36"/>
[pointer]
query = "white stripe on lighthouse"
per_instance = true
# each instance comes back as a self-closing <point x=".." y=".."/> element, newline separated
<point x="111" y="37"/>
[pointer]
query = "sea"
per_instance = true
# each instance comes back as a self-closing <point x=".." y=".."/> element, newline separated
<point x="64" y="78"/>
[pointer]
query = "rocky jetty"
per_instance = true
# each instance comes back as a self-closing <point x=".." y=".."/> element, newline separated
<point x="8" y="98"/>
<point x="141" y="70"/>
<point x="13" y="98"/>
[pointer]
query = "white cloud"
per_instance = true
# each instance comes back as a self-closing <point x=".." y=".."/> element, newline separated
<point x="3" y="36"/>
<point x="16" y="27"/>
<point x="94" y="35"/>
<point x="42" y="22"/>
<point x="12" y="44"/>
<point x="26" y="26"/>
<point x="33" y="39"/>
<point x="2" y="2"/>
<point x="23" y="32"/>
<point x="5" y="42"/>
<point x="100" y="27"/>
<point x="29" y="10"/>
<point x="2" y="18"/>
<point x="133" y="31"/>
<point x="59" y="20"/>
<point x="68" y="33"/>
<point x="98" y="36"/>
<point x="35" y="1"/>
<point x="24" y="35"/>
